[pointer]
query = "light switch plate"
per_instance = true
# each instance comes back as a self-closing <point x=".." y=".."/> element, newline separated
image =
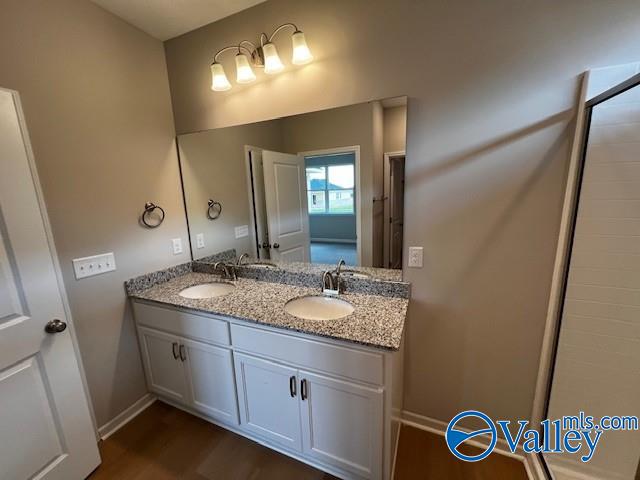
<point x="415" y="257"/>
<point x="242" y="231"/>
<point x="177" y="246"/>
<point x="200" y="240"/>
<point x="94" y="265"/>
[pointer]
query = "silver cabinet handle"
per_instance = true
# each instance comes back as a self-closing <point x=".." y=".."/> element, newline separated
<point x="183" y="354"/>
<point x="174" y="346"/>
<point x="292" y="385"/>
<point x="303" y="389"/>
<point x="55" y="326"/>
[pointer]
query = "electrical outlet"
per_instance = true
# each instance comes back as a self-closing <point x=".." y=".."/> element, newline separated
<point x="242" y="231"/>
<point x="415" y="257"/>
<point x="177" y="246"/>
<point x="200" y="240"/>
<point x="94" y="265"/>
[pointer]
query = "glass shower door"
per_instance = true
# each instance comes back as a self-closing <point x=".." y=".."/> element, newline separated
<point x="597" y="363"/>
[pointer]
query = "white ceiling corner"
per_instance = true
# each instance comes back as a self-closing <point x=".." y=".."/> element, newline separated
<point x="165" y="19"/>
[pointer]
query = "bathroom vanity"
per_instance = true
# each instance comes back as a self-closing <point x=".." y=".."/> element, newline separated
<point x="327" y="392"/>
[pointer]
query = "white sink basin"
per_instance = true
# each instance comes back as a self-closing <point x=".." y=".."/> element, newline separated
<point x="318" y="307"/>
<point x="207" y="290"/>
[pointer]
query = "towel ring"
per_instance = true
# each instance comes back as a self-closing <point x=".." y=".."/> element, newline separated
<point x="149" y="207"/>
<point x="216" y="206"/>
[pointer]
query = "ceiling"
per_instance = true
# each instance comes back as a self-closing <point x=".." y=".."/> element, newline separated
<point x="165" y="19"/>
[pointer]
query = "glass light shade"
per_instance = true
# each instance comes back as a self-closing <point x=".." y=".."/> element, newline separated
<point x="244" y="73"/>
<point x="219" y="80"/>
<point x="272" y="63"/>
<point x="301" y="52"/>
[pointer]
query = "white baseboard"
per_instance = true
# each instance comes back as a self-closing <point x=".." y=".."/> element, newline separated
<point x="439" y="428"/>
<point x="120" y="420"/>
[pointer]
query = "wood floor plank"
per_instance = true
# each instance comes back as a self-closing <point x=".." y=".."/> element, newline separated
<point x="424" y="455"/>
<point x="164" y="443"/>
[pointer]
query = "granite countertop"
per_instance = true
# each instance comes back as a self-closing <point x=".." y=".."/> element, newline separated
<point x="377" y="321"/>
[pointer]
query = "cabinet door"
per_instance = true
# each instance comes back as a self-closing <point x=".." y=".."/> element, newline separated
<point x="211" y="382"/>
<point x="165" y="372"/>
<point x="342" y="424"/>
<point x="268" y="405"/>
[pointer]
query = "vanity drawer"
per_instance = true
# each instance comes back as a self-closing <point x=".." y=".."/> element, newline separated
<point x="181" y="323"/>
<point x="308" y="353"/>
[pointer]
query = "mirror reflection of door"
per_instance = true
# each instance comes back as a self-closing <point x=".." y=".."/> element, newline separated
<point x="285" y="205"/>
<point x="338" y="179"/>
<point x="394" y="209"/>
<point x="258" y="204"/>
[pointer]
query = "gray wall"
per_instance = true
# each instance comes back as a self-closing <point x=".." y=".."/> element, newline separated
<point x="395" y="129"/>
<point x="213" y="166"/>
<point x="96" y="100"/>
<point x="491" y="88"/>
<point x="341" y="127"/>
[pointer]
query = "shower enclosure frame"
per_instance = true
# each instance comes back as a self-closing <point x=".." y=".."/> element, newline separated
<point x="538" y="465"/>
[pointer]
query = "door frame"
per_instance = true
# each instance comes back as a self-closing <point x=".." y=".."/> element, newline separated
<point x="253" y="233"/>
<point x="53" y="251"/>
<point x="355" y="149"/>
<point x="386" y="188"/>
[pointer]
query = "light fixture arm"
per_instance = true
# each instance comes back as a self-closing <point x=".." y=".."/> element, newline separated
<point x="269" y="39"/>
<point x="264" y="56"/>
<point x="238" y="48"/>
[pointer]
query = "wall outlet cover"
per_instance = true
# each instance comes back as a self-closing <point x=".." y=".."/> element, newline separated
<point x="242" y="231"/>
<point x="94" y="265"/>
<point x="177" y="246"/>
<point x="415" y="257"/>
<point x="200" y="240"/>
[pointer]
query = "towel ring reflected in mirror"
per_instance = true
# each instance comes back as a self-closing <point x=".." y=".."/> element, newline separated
<point x="214" y="209"/>
<point x="149" y="208"/>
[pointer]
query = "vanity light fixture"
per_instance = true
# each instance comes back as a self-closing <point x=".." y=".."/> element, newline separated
<point x="265" y="56"/>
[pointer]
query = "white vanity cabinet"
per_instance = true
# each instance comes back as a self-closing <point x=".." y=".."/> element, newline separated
<point x="163" y="367"/>
<point x="190" y="372"/>
<point x="268" y="400"/>
<point x="329" y="403"/>
<point x="342" y="423"/>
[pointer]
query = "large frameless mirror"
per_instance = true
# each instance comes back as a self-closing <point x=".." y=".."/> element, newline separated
<point x="317" y="187"/>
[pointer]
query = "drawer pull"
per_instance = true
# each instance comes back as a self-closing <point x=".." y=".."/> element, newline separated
<point x="303" y="389"/>
<point x="183" y="354"/>
<point x="174" y="346"/>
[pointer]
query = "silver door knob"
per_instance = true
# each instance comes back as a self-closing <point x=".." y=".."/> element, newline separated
<point x="55" y="326"/>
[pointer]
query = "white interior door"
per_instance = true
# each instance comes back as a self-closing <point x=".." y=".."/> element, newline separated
<point x="45" y="422"/>
<point x="286" y="201"/>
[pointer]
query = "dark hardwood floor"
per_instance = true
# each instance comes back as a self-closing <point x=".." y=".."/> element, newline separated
<point x="424" y="456"/>
<point x="165" y="443"/>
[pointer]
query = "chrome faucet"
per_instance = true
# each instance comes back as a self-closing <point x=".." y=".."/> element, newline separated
<point x="337" y="271"/>
<point x="241" y="258"/>
<point x="228" y="270"/>
<point x="328" y="284"/>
